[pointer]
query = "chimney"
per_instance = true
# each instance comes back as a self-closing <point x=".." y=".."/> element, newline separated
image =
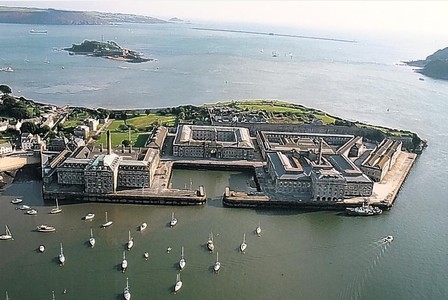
<point x="109" y="143"/>
<point x="101" y="147"/>
<point x="130" y="148"/>
<point x="320" y="152"/>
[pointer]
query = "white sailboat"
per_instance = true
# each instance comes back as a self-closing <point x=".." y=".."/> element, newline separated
<point x="7" y="298"/>
<point x="182" y="261"/>
<point x="243" y="245"/>
<point x="41" y="248"/>
<point x="7" y="235"/>
<point x="61" y="257"/>
<point x="130" y="243"/>
<point x="178" y="284"/>
<point x="173" y="221"/>
<point x="124" y="263"/>
<point x="217" y="264"/>
<point x="107" y="224"/>
<point x="143" y="226"/>
<point x="56" y="209"/>
<point x="258" y="230"/>
<point x="92" y="239"/>
<point x="126" y="292"/>
<point x="210" y="243"/>
<point x="89" y="216"/>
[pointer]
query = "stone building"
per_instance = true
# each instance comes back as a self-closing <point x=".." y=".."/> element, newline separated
<point x="381" y="159"/>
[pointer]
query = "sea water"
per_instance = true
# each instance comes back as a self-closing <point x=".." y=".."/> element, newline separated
<point x="300" y="255"/>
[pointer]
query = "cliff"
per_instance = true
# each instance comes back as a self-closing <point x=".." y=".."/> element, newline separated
<point x="435" y="65"/>
<point x="20" y="15"/>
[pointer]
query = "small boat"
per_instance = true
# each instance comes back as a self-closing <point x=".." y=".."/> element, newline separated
<point x="173" y="221"/>
<point x="7" y="298"/>
<point x="146" y="255"/>
<point x="364" y="210"/>
<point x="421" y="79"/>
<point x="178" y="284"/>
<point x="7" y="69"/>
<point x="61" y="257"/>
<point x="107" y="224"/>
<point x="16" y="201"/>
<point x="41" y="248"/>
<point x="89" y="216"/>
<point x="92" y="239"/>
<point x="388" y="239"/>
<point x="142" y="227"/>
<point x="45" y="228"/>
<point x="182" y="261"/>
<point x="130" y="243"/>
<point x="7" y="235"/>
<point x="258" y="230"/>
<point x="168" y="250"/>
<point x="24" y="207"/>
<point x="56" y="209"/>
<point x="243" y="245"/>
<point x="38" y="31"/>
<point x="217" y="264"/>
<point x="31" y="212"/>
<point x="126" y="292"/>
<point x="124" y="263"/>
<point x="210" y="243"/>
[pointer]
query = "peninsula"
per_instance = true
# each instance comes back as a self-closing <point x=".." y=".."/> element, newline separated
<point x="109" y="49"/>
<point x="434" y="65"/>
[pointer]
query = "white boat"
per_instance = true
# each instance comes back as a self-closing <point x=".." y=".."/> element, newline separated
<point x="124" y="263"/>
<point x="388" y="239"/>
<point x="89" y="216"/>
<point x="31" y="212"/>
<point x="41" y="248"/>
<point x="178" y="284"/>
<point x="146" y="255"/>
<point x="92" y="239"/>
<point x="173" y="221"/>
<point x="7" y="298"/>
<point x="243" y="245"/>
<point x="7" y="69"/>
<point x="258" y="230"/>
<point x="142" y="227"/>
<point x="56" y="209"/>
<point x="107" y="224"/>
<point x="24" y="207"/>
<point x="16" y="201"/>
<point x="210" y="243"/>
<point x="126" y="292"/>
<point x="130" y="243"/>
<point x="38" y="31"/>
<point x="7" y="235"/>
<point x="61" y="256"/>
<point x="217" y="264"/>
<point x="45" y="228"/>
<point x="182" y="262"/>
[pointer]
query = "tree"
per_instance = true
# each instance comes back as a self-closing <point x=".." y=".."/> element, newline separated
<point x="126" y="143"/>
<point x="28" y="127"/>
<point x="5" y="89"/>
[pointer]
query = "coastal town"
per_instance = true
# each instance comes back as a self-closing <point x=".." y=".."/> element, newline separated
<point x="299" y="157"/>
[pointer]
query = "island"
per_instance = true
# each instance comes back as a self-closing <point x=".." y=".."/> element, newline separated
<point x="109" y="49"/>
<point x="435" y="65"/>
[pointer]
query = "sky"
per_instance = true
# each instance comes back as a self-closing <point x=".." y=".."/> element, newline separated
<point x="401" y="17"/>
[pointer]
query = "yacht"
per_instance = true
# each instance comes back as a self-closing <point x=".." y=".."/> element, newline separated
<point x="126" y="292"/>
<point x="92" y="239"/>
<point x="124" y="263"/>
<point x="16" y="201"/>
<point x="56" y="209"/>
<point x="31" y="212"/>
<point x="89" y="216"/>
<point x="178" y="284"/>
<point x="61" y="257"/>
<point x="243" y="245"/>
<point x="45" y="228"/>
<point x="217" y="264"/>
<point x="258" y="230"/>
<point x="23" y="207"/>
<point x="182" y="261"/>
<point x="130" y="243"/>
<point x="41" y="248"/>
<point x="142" y="227"/>
<point x="107" y="224"/>
<point x="7" y="235"/>
<point x="210" y="243"/>
<point x="173" y="221"/>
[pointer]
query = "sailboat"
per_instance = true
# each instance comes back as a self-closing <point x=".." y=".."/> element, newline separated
<point x="61" y="256"/>
<point x="107" y="224"/>
<point x="130" y="241"/>
<point x="210" y="244"/>
<point x="126" y="292"/>
<point x="56" y="209"/>
<point x="124" y="263"/>
<point x="217" y="264"/>
<point x="7" y="235"/>
<point x="258" y="230"/>
<point x="178" y="284"/>
<point x="182" y="261"/>
<point x="243" y="245"/>
<point x="7" y="298"/>
<point x="173" y="221"/>
<point x="92" y="239"/>
<point x="52" y="292"/>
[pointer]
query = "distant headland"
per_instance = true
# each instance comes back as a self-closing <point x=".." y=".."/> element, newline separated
<point x="109" y="49"/>
<point x="435" y="65"/>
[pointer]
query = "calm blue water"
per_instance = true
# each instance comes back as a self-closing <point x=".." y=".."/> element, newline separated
<point x="319" y="255"/>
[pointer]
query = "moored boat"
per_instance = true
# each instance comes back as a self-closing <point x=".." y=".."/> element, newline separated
<point x="17" y="201"/>
<point x="142" y="227"/>
<point x="210" y="243"/>
<point x="7" y="235"/>
<point x="217" y="264"/>
<point x="126" y="291"/>
<point x="258" y="230"/>
<point x="61" y="257"/>
<point x="182" y="262"/>
<point x="57" y="209"/>
<point x="130" y="242"/>
<point x="23" y="207"/>
<point x="92" y="239"/>
<point x="31" y="212"/>
<point x="364" y="210"/>
<point x="124" y="263"/>
<point x="173" y="221"/>
<point x="107" y="224"/>
<point x="45" y="228"/>
<point x="41" y="248"/>
<point x="178" y="284"/>
<point x="243" y="245"/>
<point x="89" y="216"/>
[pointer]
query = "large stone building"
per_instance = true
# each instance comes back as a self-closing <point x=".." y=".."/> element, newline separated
<point x="213" y="142"/>
<point x="381" y="159"/>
